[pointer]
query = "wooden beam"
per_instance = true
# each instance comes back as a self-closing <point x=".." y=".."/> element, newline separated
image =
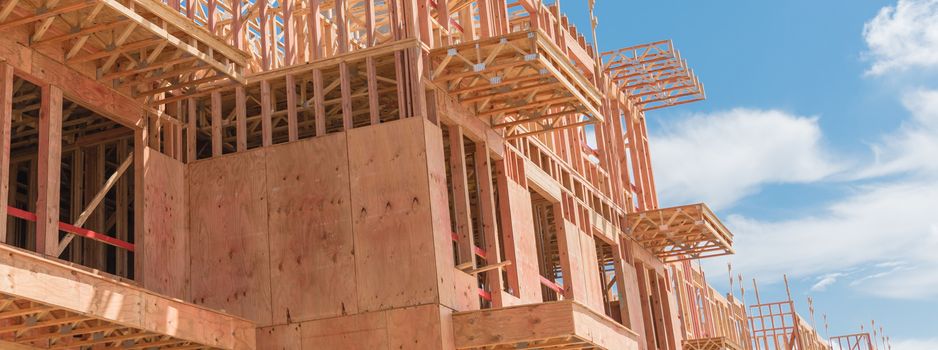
<point x="50" y="163"/>
<point x="6" y="117"/>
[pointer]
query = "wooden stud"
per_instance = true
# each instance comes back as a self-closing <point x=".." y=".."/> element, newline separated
<point x="319" y="103"/>
<point x="266" y="122"/>
<point x="373" y="107"/>
<point x="292" y="127"/>
<point x="191" y="131"/>
<point x="460" y="190"/>
<point x="50" y="162"/>
<point x="488" y="212"/>
<point x="216" y="124"/>
<point x="346" y="87"/>
<point x="6" y="117"/>
<point x="241" y="119"/>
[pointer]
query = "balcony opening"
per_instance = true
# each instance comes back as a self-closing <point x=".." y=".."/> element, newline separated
<point x="548" y="249"/>
<point x="96" y="187"/>
<point x="608" y="280"/>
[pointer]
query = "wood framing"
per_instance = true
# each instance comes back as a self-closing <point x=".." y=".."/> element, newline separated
<point x="53" y="305"/>
<point x="653" y="75"/>
<point x="561" y="324"/>
<point x="520" y="82"/>
<point x="679" y="233"/>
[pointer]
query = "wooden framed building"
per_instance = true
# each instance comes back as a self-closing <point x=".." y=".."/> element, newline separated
<point x="341" y="174"/>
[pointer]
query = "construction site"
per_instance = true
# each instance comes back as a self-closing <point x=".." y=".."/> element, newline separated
<point x="351" y="174"/>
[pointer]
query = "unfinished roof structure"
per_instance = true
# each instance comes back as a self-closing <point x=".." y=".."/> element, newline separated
<point x="346" y="174"/>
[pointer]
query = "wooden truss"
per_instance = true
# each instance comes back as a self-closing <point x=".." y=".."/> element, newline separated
<point x="47" y="304"/>
<point x="714" y="343"/>
<point x="519" y="82"/>
<point x="653" y="75"/>
<point x="140" y="44"/>
<point x="680" y="233"/>
<point x="776" y="326"/>
<point x="859" y="341"/>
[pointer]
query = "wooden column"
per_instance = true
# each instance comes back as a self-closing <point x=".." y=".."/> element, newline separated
<point x="6" y="117"/>
<point x="191" y="131"/>
<point x="289" y="32"/>
<point x="342" y="25"/>
<point x="345" y="85"/>
<point x="319" y="103"/>
<point x="292" y="127"/>
<point x="372" y="91"/>
<point x="460" y="190"/>
<point x="241" y="126"/>
<point x="370" y="22"/>
<point x="216" y="124"/>
<point x="266" y="122"/>
<point x="489" y="223"/>
<point x="50" y="163"/>
<point x="313" y="22"/>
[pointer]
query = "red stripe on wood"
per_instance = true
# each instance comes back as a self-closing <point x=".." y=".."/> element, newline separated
<point x="25" y="215"/>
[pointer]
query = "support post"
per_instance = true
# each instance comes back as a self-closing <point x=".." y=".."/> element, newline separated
<point x="6" y="117"/>
<point x="216" y="124"/>
<point x="292" y="127"/>
<point x="266" y="122"/>
<point x="241" y="125"/>
<point x="50" y="163"/>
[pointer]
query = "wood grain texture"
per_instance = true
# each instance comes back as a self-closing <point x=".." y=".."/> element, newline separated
<point x="311" y="251"/>
<point x="166" y="262"/>
<point x="229" y="241"/>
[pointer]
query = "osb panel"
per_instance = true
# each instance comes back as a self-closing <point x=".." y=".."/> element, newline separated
<point x="568" y="238"/>
<point x="415" y="328"/>
<point x="362" y="331"/>
<point x="394" y="253"/>
<point x="166" y="263"/>
<point x="282" y="337"/>
<point x="522" y="232"/>
<point x="311" y="252"/>
<point x="453" y="289"/>
<point x="228" y="220"/>
<point x="593" y="287"/>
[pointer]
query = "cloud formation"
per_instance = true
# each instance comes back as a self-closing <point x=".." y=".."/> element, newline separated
<point x="903" y="37"/>
<point x="886" y="226"/>
<point x="724" y="156"/>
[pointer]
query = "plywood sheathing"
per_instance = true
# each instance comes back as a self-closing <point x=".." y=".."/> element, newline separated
<point x="166" y="226"/>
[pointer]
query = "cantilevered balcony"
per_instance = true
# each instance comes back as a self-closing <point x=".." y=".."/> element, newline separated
<point x="680" y="233"/>
<point x="49" y="304"/>
<point x="653" y="75"/>
<point x="140" y="44"/>
<point x="553" y="325"/>
<point x="519" y="82"/>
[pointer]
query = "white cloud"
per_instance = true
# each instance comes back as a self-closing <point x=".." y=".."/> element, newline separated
<point x="886" y="229"/>
<point x="825" y="281"/>
<point x="914" y="344"/>
<point x="914" y="147"/>
<point x="903" y="37"/>
<point x="724" y="156"/>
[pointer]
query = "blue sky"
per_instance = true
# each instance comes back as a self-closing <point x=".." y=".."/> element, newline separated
<point x="817" y="145"/>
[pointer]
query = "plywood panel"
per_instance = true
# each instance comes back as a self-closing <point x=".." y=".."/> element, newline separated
<point x="391" y="216"/>
<point x="593" y="286"/>
<point x="415" y="328"/>
<point x="312" y="256"/>
<point x="228" y="221"/>
<point x="362" y="331"/>
<point x="522" y="232"/>
<point x="166" y="260"/>
<point x="464" y="292"/>
<point x="569" y="243"/>
<point x="282" y="337"/>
